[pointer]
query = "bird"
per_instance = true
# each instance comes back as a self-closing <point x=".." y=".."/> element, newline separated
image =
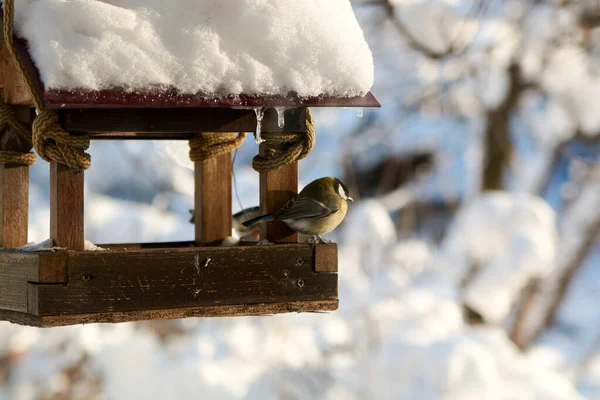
<point x="318" y="209"/>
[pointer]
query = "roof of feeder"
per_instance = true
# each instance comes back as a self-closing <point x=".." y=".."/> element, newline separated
<point x="195" y="53"/>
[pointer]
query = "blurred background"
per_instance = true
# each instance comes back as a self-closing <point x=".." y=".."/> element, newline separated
<point x="469" y="267"/>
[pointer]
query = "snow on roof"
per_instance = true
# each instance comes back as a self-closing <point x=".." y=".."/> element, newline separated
<point x="251" y="47"/>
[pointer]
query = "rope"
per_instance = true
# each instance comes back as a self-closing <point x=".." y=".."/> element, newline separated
<point x="296" y="147"/>
<point x="50" y="141"/>
<point x="205" y="146"/>
<point x="8" y="119"/>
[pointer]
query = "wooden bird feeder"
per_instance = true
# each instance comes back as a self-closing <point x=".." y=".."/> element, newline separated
<point x="131" y="282"/>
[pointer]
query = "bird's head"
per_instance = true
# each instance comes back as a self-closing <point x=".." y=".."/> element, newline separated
<point x="342" y="190"/>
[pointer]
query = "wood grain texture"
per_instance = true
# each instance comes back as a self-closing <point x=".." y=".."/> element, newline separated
<point x="213" y="200"/>
<point x="276" y="188"/>
<point x="16" y="269"/>
<point x="119" y="281"/>
<point x="14" y="186"/>
<point x="326" y="257"/>
<point x="139" y="246"/>
<point x="265" y="309"/>
<point x="66" y="207"/>
<point x="14" y="205"/>
<point x="52" y="267"/>
<point x="14" y="90"/>
<point x="173" y="121"/>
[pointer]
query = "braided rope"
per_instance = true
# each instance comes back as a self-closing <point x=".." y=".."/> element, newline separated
<point x="299" y="145"/>
<point x="54" y="144"/>
<point x="8" y="119"/>
<point x="50" y="141"/>
<point x="205" y="146"/>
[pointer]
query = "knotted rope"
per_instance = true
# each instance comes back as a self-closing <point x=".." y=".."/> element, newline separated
<point x="296" y="147"/>
<point x="51" y="142"/>
<point x="8" y="119"/>
<point x="205" y="146"/>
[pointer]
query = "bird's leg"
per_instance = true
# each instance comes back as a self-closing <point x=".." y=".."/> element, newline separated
<point x="313" y="239"/>
<point x="321" y="240"/>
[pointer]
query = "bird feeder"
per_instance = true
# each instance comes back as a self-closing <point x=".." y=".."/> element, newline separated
<point x="129" y="282"/>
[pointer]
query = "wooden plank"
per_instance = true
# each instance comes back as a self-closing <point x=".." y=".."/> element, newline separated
<point x="16" y="269"/>
<point x="140" y="136"/>
<point x="138" y="246"/>
<point x="52" y="267"/>
<point x="213" y="200"/>
<point x="320" y="306"/>
<point x="66" y="207"/>
<point x="118" y="281"/>
<point x="14" y="187"/>
<point x="326" y="257"/>
<point x="175" y="120"/>
<point x="276" y="188"/>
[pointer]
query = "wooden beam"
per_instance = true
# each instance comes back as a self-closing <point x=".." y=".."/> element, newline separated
<point x="174" y="120"/>
<point x="14" y="205"/>
<point x="276" y="188"/>
<point x="213" y="200"/>
<point x="14" y="90"/>
<point x="176" y="313"/>
<point x="156" y="279"/>
<point x="326" y="257"/>
<point x="66" y="207"/>
<point x="140" y="136"/>
<point x="16" y="269"/>
<point x="14" y="187"/>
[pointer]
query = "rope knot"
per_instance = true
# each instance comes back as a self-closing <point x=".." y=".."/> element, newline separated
<point x="289" y="147"/>
<point x="53" y="143"/>
<point x="205" y="146"/>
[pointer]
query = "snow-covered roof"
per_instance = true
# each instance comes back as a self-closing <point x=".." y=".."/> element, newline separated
<point x="213" y="48"/>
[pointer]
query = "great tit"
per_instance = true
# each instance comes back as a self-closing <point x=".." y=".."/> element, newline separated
<point x="318" y="209"/>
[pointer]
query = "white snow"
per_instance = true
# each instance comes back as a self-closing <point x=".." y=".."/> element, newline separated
<point x="399" y="332"/>
<point x="48" y="245"/>
<point x="509" y="240"/>
<point x="209" y="47"/>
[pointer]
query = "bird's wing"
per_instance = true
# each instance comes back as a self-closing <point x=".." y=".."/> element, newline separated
<point x="302" y="207"/>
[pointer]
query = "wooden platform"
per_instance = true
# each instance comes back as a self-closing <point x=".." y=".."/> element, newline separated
<point x="54" y="288"/>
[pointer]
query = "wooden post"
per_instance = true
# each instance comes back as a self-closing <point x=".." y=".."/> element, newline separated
<point x="14" y="189"/>
<point x="276" y="188"/>
<point x="212" y="206"/>
<point x="14" y="202"/>
<point x="66" y="207"/>
<point x="14" y="90"/>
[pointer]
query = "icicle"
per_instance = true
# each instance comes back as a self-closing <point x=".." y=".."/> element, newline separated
<point x="260" y="113"/>
<point x="360" y="113"/>
<point x="280" y="116"/>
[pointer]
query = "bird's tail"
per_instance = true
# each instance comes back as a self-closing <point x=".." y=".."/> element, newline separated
<point x="258" y="220"/>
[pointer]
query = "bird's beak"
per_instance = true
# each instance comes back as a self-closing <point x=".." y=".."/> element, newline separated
<point x="350" y="199"/>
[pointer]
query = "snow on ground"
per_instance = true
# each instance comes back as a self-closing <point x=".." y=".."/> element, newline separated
<point x="508" y="240"/>
<point x="210" y="47"/>
<point x="393" y="337"/>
